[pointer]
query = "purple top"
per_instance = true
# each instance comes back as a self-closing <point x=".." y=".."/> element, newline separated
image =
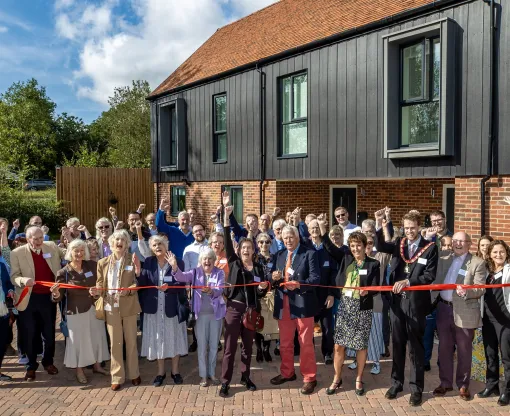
<point x="106" y="250"/>
<point x="217" y="278"/>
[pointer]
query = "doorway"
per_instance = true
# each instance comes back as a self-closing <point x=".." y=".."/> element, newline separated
<point x="343" y="196"/>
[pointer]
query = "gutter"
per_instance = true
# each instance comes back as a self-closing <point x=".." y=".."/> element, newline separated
<point x="262" y="104"/>
<point x="396" y="18"/>
<point x="491" y="136"/>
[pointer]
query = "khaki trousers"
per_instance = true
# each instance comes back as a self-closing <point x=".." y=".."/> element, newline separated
<point x="122" y="329"/>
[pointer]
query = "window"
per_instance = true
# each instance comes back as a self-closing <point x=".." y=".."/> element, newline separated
<point x="420" y="90"/>
<point x="172" y="136"/>
<point x="419" y="106"/>
<point x="236" y="199"/>
<point x="220" y="128"/>
<point x="294" y="116"/>
<point x="178" y="200"/>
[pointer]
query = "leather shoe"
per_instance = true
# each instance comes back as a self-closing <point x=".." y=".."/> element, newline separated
<point x="415" y="399"/>
<point x="279" y="379"/>
<point x="260" y="356"/>
<point x="464" y="393"/>
<point x="30" y="375"/>
<point x="426" y="367"/>
<point x="136" y="381"/>
<point x="441" y="391"/>
<point x="309" y="387"/>
<point x="488" y="393"/>
<point x="504" y="399"/>
<point x="246" y="382"/>
<point x="267" y="355"/>
<point x="392" y="392"/>
<point x="116" y="387"/>
<point x="224" y="390"/>
<point x="192" y="347"/>
<point x="51" y="369"/>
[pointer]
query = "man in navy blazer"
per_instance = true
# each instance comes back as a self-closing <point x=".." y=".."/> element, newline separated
<point x="295" y="307"/>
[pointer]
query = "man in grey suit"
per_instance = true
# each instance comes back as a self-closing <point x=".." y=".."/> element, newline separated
<point x="458" y="313"/>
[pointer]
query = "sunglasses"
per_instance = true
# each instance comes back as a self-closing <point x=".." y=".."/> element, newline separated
<point x="103" y="227"/>
<point x="340" y="215"/>
<point x="264" y="242"/>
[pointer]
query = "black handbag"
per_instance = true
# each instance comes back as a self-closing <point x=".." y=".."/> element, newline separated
<point x="192" y="320"/>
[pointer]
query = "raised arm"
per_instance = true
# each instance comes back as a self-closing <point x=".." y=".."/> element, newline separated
<point x="229" y="247"/>
<point x="161" y="223"/>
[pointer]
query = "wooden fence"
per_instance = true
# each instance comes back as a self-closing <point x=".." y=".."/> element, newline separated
<point x="87" y="193"/>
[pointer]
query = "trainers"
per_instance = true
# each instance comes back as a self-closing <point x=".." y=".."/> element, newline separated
<point x="23" y="360"/>
<point x="353" y="365"/>
<point x="5" y="377"/>
<point x="376" y="369"/>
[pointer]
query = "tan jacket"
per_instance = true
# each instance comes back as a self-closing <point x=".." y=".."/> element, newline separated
<point x="466" y="311"/>
<point x="22" y="268"/>
<point x="128" y="305"/>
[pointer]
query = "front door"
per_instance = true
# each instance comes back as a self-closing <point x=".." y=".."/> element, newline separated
<point x="343" y="197"/>
<point x="449" y="206"/>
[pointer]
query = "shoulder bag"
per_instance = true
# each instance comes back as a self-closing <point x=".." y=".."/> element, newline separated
<point x="192" y="318"/>
<point x="252" y="319"/>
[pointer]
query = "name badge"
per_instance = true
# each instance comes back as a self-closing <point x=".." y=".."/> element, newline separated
<point x="223" y="261"/>
<point x="290" y="271"/>
<point x="422" y="261"/>
<point x="270" y="265"/>
<point x="115" y="305"/>
<point x="46" y="255"/>
<point x="213" y="280"/>
<point x="168" y="279"/>
<point x="348" y="293"/>
<point x="462" y="272"/>
<point x="326" y="264"/>
<point x="256" y="279"/>
<point x="363" y="272"/>
<point x="107" y="307"/>
<point x="128" y="268"/>
<point x="498" y="275"/>
<point x="88" y="274"/>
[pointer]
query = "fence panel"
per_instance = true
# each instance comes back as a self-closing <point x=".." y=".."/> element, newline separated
<point x="87" y="193"/>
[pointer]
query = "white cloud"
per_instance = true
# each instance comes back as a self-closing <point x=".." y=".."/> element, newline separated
<point x="114" y="52"/>
<point x="3" y="29"/>
<point x="14" y="21"/>
<point x="63" y="4"/>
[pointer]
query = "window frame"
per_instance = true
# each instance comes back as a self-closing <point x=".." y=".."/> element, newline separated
<point x="173" y="211"/>
<point x="217" y="133"/>
<point x="239" y="215"/>
<point x="164" y="127"/>
<point x="281" y="123"/>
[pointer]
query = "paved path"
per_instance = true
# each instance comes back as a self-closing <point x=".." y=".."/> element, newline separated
<point x="61" y="394"/>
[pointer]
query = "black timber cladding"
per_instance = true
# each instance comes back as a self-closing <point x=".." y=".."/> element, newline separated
<point x="345" y="111"/>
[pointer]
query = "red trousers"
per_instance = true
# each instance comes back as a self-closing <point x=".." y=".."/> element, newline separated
<point x="287" y="329"/>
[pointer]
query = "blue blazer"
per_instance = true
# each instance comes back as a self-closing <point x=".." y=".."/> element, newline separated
<point x="303" y="301"/>
<point x="148" y="298"/>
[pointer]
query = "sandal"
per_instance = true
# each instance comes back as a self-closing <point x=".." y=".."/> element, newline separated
<point x="100" y="370"/>
<point x="361" y="391"/>
<point x="334" y="387"/>
<point x="204" y="383"/>
<point x="82" y="379"/>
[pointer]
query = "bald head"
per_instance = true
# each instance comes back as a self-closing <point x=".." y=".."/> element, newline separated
<point x="461" y="243"/>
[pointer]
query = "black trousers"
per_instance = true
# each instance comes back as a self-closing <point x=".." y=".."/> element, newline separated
<point x="407" y="331"/>
<point x="496" y="337"/>
<point x="38" y="319"/>
<point x="386" y="327"/>
<point x="326" y="320"/>
<point x="4" y="337"/>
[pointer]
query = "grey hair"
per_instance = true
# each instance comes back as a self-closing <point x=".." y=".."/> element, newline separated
<point x="31" y="229"/>
<point x="77" y="243"/>
<point x="72" y="219"/>
<point x="279" y="223"/>
<point x="101" y="221"/>
<point x="182" y="213"/>
<point x="262" y="235"/>
<point x="206" y="253"/>
<point x="368" y="223"/>
<point x="123" y="234"/>
<point x="292" y="229"/>
<point x="158" y="239"/>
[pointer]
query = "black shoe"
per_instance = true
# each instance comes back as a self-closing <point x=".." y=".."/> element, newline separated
<point x="328" y="360"/>
<point x="297" y="351"/>
<point x="415" y="399"/>
<point x="504" y="399"/>
<point x="158" y="381"/>
<point x="277" y="351"/>
<point x="361" y="391"/>
<point x="426" y="367"/>
<point x="177" y="378"/>
<point x="192" y="347"/>
<point x="336" y="385"/>
<point x="488" y="393"/>
<point x="279" y="379"/>
<point x="267" y="355"/>
<point x="220" y="347"/>
<point x="246" y="382"/>
<point x="224" y="390"/>
<point x="260" y="357"/>
<point x="392" y="392"/>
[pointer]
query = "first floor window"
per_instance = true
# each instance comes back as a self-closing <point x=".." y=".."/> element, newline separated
<point x="178" y="200"/>
<point x="220" y="128"/>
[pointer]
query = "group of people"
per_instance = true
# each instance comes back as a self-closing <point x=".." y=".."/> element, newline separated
<point x="275" y="279"/>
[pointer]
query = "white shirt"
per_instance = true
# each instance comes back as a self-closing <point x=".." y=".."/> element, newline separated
<point x="190" y="254"/>
<point x="348" y="229"/>
<point x="414" y="245"/>
<point x="451" y="276"/>
<point x="113" y="277"/>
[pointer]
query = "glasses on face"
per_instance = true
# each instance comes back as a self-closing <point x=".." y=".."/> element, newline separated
<point x="460" y="241"/>
<point x="314" y="228"/>
<point x="278" y="229"/>
<point x="439" y="221"/>
<point x="340" y="215"/>
<point x="198" y="231"/>
<point x="103" y="227"/>
<point x="264" y="242"/>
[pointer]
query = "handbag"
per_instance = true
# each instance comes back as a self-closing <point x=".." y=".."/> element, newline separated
<point x="63" y="318"/>
<point x="100" y="313"/>
<point x="252" y="319"/>
<point x="192" y="320"/>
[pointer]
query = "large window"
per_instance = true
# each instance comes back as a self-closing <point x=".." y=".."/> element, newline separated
<point x="420" y="92"/>
<point x="178" y="200"/>
<point x="294" y="115"/>
<point x="220" y="128"/>
<point x="172" y="136"/>
<point x="236" y="199"/>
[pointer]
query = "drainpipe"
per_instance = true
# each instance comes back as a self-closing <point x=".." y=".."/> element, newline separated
<point x="490" y="159"/>
<point x="262" y="110"/>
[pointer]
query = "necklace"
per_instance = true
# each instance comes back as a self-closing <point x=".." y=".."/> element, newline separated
<point x="415" y="257"/>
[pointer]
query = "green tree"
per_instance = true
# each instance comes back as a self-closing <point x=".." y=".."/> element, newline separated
<point x="126" y="125"/>
<point x="27" y="137"/>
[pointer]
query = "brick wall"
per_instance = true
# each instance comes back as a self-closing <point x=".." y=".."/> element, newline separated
<point x="314" y="196"/>
<point x="467" y="206"/>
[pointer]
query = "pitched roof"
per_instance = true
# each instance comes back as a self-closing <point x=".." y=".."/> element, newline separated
<point x="282" y="26"/>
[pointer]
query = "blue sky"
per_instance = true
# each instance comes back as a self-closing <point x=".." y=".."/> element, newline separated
<point x="80" y="50"/>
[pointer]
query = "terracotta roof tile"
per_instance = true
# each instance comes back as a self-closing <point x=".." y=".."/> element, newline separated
<point x="277" y="28"/>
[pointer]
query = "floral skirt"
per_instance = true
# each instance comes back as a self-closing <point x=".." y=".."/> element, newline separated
<point x="478" y="364"/>
<point x="352" y="328"/>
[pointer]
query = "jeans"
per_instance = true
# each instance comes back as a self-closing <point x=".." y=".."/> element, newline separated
<point x="428" y="338"/>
